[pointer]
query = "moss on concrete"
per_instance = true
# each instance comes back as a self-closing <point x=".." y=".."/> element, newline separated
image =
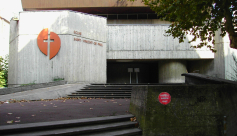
<point x="193" y="110"/>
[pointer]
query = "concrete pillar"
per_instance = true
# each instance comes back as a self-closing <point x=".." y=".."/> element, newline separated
<point x="170" y="71"/>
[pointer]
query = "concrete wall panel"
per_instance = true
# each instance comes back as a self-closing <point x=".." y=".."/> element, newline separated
<point x="35" y="22"/>
<point x="13" y="53"/>
<point x="91" y="27"/>
<point x="76" y="61"/>
<point x="13" y="58"/>
<point x="14" y="30"/>
<point x="149" y="42"/>
<point x="193" y="110"/>
<point x="228" y="55"/>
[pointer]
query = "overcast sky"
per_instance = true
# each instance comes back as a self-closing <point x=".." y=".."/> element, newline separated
<point x="10" y="8"/>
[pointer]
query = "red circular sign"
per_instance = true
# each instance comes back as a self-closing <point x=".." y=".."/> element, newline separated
<point x="164" y="98"/>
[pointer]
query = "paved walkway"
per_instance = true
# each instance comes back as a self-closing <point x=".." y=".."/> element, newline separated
<point x="52" y="92"/>
<point x="62" y="109"/>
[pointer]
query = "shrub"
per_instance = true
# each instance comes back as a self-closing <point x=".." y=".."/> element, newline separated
<point x="4" y="71"/>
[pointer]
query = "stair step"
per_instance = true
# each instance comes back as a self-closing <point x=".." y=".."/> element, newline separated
<point x="125" y="85"/>
<point x="121" y="132"/>
<point x="8" y="129"/>
<point x="103" y="91"/>
<point x="82" y="92"/>
<point x="74" y="96"/>
<point x="80" y="129"/>
<point x="102" y="94"/>
<point x="133" y="84"/>
<point x="106" y="88"/>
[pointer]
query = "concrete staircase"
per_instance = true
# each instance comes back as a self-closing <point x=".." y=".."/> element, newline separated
<point x="103" y="91"/>
<point x="99" y="126"/>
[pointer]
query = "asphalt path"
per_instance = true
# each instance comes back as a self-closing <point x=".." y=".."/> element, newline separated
<point x="22" y="112"/>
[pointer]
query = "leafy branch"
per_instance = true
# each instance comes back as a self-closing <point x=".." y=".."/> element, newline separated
<point x="201" y="19"/>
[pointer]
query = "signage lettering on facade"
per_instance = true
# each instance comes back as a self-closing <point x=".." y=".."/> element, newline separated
<point x="54" y="46"/>
<point x="100" y="44"/>
<point x="78" y="33"/>
<point x="85" y="41"/>
<point x="77" y="39"/>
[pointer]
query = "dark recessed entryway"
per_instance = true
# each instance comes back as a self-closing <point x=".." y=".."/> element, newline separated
<point x="141" y="72"/>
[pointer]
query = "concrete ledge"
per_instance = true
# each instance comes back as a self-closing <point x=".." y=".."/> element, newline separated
<point x="11" y="90"/>
<point x="196" y="78"/>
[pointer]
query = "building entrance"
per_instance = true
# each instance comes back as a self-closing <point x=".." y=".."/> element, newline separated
<point x="132" y="72"/>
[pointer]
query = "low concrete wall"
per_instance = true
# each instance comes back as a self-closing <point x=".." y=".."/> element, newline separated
<point x="10" y="90"/>
<point x="194" y="110"/>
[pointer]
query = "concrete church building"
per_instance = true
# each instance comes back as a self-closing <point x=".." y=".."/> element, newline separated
<point x="105" y="41"/>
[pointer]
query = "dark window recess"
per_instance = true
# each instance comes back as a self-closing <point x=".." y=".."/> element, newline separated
<point x="142" y="16"/>
<point x="152" y="16"/>
<point x="122" y="16"/>
<point x="112" y="16"/>
<point x="132" y="16"/>
<point x="129" y="16"/>
<point x="103" y="16"/>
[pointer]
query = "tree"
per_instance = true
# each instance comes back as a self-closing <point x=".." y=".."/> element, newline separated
<point x="200" y="18"/>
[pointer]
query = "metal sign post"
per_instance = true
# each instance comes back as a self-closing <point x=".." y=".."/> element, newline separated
<point x="130" y="70"/>
<point x="137" y="70"/>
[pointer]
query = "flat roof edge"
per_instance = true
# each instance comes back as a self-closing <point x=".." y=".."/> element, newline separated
<point x="62" y="11"/>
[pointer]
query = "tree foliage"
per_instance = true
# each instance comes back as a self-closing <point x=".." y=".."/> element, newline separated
<point x="3" y="71"/>
<point x="200" y="18"/>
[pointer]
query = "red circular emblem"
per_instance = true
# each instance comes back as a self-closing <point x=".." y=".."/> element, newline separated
<point x="164" y="98"/>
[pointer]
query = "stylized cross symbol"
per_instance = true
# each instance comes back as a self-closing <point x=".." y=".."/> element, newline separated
<point x="49" y="44"/>
<point x="49" y="41"/>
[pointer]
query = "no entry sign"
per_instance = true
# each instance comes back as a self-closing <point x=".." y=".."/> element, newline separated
<point x="164" y="98"/>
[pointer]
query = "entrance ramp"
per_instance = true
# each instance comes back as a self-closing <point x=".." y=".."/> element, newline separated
<point x="52" y="92"/>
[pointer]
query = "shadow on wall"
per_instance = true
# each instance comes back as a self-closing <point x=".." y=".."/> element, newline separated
<point x="205" y="66"/>
<point x="212" y="67"/>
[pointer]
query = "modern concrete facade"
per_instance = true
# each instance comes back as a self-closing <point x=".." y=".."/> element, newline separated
<point x="81" y="57"/>
<point x="132" y="37"/>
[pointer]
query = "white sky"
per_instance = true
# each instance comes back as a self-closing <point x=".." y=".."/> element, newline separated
<point x="10" y="8"/>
